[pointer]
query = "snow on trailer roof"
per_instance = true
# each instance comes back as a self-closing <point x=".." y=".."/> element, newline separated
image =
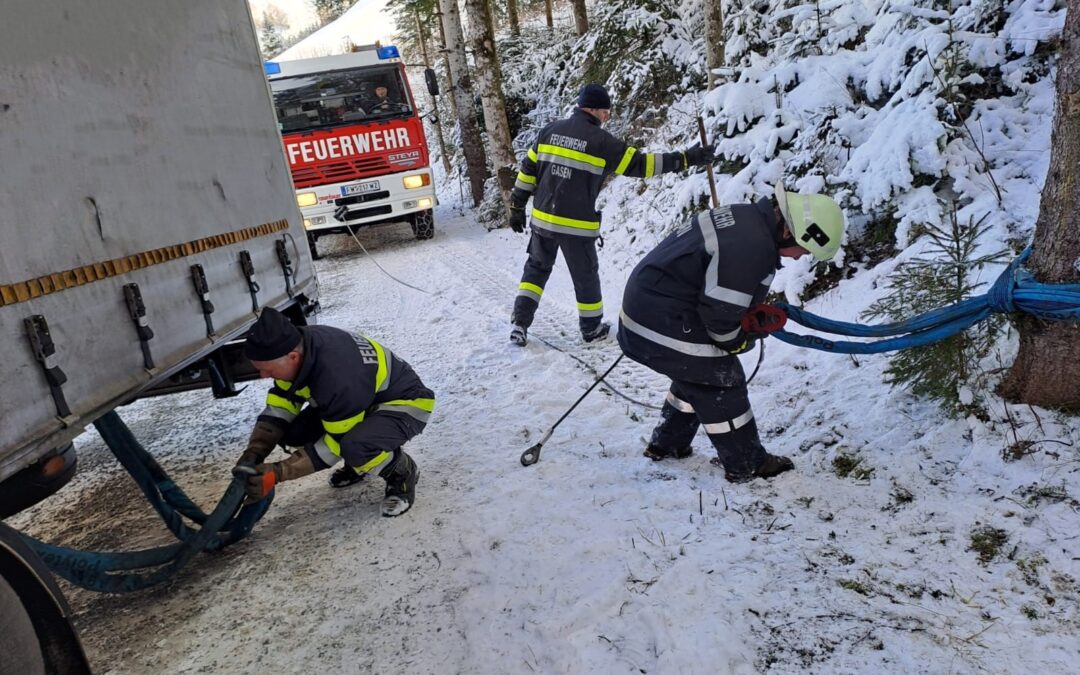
<point x="366" y="55"/>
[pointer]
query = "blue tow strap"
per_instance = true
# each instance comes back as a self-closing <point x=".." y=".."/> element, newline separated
<point x="111" y="572"/>
<point x="1015" y="290"/>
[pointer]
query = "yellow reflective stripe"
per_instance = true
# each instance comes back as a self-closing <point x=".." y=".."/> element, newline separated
<point x="526" y="286"/>
<point x="332" y="444"/>
<point x="379" y="459"/>
<point x="304" y="393"/>
<point x="275" y="401"/>
<point x="590" y="305"/>
<point x="427" y="404"/>
<point x="567" y="222"/>
<point x="574" y="154"/>
<point x="380" y="374"/>
<point x="650" y="164"/>
<point x="627" y="156"/>
<point x="339" y="427"/>
<point x="532" y="154"/>
<point x="526" y="178"/>
<point x="283" y="384"/>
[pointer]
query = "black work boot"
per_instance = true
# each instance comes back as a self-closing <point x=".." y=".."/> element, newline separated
<point x="345" y="476"/>
<point x="519" y="335"/>
<point x="772" y="465"/>
<point x="400" y="475"/>
<point x="656" y="453"/>
<point x="598" y="333"/>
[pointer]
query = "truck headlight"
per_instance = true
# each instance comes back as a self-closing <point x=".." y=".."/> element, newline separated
<point x="424" y="203"/>
<point x="418" y="181"/>
<point x="306" y="199"/>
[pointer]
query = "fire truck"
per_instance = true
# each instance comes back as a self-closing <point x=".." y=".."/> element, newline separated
<point x="354" y="142"/>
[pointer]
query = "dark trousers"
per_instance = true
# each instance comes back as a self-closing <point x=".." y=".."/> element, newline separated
<point x="580" y="255"/>
<point x="725" y="414"/>
<point x="379" y="432"/>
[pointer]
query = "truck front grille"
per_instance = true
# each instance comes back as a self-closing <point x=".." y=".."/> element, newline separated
<point x="339" y="172"/>
<point x="360" y="199"/>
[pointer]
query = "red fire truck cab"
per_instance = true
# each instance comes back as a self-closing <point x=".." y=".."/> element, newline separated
<point x="354" y="142"/>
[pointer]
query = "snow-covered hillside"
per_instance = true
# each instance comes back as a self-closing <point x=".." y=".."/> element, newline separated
<point x="364" y="23"/>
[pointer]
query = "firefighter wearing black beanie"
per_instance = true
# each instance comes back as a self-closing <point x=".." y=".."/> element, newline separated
<point x="336" y="396"/>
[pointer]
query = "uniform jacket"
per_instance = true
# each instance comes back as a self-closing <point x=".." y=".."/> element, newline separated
<point x="347" y="377"/>
<point x="684" y="301"/>
<point x="566" y="166"/>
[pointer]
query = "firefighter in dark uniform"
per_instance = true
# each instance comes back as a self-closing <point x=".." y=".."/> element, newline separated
<point x="691" y="305"/>
<point x="563" y="172"/>
<point x="336" y="396"/>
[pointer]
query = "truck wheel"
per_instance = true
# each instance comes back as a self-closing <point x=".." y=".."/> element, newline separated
<point x="38" y="636"/>
<point x="423" y="224"/>
<point x="314" y="249"/>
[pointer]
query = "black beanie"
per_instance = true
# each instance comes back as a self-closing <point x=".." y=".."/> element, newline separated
<point x="272" y="337"/>
<point x="594" y="96"/>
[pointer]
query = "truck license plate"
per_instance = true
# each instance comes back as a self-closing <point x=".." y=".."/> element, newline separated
<point x="359" y="188"/>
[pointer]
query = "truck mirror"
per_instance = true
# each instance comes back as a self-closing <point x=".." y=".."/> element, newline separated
<point x="432" y="81"/>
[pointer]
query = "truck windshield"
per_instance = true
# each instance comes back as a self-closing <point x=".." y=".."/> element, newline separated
<point x="321" y="100"/>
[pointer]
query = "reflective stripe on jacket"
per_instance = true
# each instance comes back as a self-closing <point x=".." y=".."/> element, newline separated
<point x="566" y="166"/>
<point x="684" y="301"/>
<point x="347" y="377"/>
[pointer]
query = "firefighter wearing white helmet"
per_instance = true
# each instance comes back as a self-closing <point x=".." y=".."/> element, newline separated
<point x="694" y="302"/>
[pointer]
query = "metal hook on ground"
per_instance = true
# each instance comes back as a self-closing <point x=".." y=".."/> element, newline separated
<point x="532" y="455"/>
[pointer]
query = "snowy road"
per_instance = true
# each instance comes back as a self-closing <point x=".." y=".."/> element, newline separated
<point x="596" y="559"/>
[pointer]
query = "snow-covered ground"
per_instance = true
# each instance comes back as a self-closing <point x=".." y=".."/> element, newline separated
<point x="364" y="23"/>
<point x="596" y="559"/>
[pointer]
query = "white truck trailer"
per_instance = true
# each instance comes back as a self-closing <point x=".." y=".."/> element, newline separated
<point x="146" y="214"/>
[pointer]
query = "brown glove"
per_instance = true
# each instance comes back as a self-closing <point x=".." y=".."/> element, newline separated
<point x="261" y="479"/>
<point x="263" y="439"/>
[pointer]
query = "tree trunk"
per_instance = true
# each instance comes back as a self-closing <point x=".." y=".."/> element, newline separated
<point x="431" y="99"/>
<point x="512" y="17"/>
<point x="489" y="81"/>
<point x="446" y="64"/>
<point x="548" y="15"/>
<point x="581" y="17"/>
<point x="471" y="144"/>
<point x="714" y="37"/>
<point x="1047" y="369"/>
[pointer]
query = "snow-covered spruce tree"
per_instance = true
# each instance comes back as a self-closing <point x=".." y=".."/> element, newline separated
<point x="894" y="108"/>
<point x="328" y="10"/>
<point x="642" y="50"/>
<point x="271" y="39"/>
<point x="946" y="371"/>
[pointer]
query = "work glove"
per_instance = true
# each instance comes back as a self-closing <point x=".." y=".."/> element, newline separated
<point x="760" y="320"/>
<point x="261" y="443"/>
<point x="261" y="478"/>
<point x="517" y="219"/>
<point x="699" y="155"/>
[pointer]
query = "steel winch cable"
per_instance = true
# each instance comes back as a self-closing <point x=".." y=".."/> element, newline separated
<point x="541" y="339"/>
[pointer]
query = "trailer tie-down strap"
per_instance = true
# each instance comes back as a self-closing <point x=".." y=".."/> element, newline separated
<point x="114" y="572"/>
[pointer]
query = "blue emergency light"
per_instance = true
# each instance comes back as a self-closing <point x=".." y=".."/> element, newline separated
<point x="272" y="68"/>
<point x="389" y="52"/>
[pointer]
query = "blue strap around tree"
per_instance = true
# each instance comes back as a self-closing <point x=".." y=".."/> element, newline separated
<point x="112" y="571"/>
<point x="1015" y="290"/>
